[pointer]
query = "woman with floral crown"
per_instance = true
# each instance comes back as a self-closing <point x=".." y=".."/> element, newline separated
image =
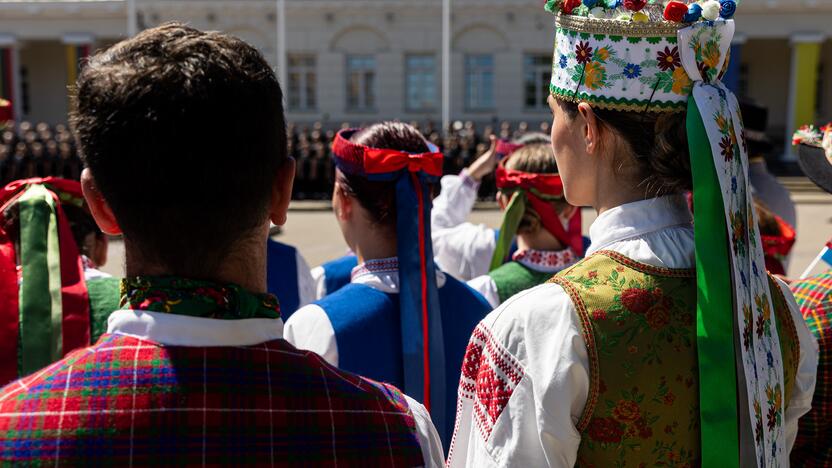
<point x="629" y="357"/>
<point x="400" y="319"/>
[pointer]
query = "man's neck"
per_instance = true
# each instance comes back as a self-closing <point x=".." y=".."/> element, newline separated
<point x="245" y="267"/>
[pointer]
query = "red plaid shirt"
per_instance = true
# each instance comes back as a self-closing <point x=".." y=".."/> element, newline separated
<point x="813" y="446"/>
<point x="127" y="401"/>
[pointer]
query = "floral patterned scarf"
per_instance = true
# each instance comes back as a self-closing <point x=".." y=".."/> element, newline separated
<point x="196" y="298"/>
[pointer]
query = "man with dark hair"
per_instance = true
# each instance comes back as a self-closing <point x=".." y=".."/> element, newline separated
<point x="195" y="369"/>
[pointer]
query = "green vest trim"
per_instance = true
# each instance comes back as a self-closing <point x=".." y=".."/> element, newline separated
<point x="514" y="277"/>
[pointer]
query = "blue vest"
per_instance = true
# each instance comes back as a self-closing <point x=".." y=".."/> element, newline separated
<point x="368" y="334"/>
<point x="282" y="276"/>
<point x="338" y="272"/>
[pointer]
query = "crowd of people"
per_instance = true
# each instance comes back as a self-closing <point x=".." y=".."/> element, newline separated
<point x="40" y="150"/>
<point x="37" y="150"/>
<point x="435" y="341"/>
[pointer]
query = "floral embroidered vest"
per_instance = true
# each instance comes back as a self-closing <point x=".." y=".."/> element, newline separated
<point x="639" y="325"/>
<point x="513" y="277"/>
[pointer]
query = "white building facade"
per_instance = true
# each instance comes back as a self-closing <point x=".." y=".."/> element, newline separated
<point x="366" y="60"/>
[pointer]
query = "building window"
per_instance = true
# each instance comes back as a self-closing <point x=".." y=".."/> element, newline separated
<point x="420" y="82"/>
<point x="303" y="80"/>
<point x="479" y="82"/>
<point x="361" y="82"/>
<point x="537" y="74"/>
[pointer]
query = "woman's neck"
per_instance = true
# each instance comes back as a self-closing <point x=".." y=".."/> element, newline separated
<point x="615" y="189"/>
<point x="540" y="240"/>
<point x="375" y="244"/>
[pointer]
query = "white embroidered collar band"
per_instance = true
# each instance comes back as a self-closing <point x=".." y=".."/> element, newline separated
<point x="383" y="274"/>
<point x="638" y="218"/>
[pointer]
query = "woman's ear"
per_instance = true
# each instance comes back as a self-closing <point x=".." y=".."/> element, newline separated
<point x="99" y="208"/>
<point x="592" y="130"/>
<point x="282" y="192"/>
<point x="342" y="203"/>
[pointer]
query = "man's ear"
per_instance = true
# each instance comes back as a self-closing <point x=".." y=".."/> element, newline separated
<point x="282" y="192"/>
<point x="592" y="131"/>
<point x="99" y="208"/>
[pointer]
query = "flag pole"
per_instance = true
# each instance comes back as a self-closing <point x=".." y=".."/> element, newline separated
<point x="282" y="72"/>
<point x="814" y="263"/>
<point x="132" y="20"/>
<point x="446" y="65"/>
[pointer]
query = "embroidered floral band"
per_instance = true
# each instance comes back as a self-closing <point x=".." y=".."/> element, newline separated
<point x="196" y="298"/>
<point x="637" y="71"/>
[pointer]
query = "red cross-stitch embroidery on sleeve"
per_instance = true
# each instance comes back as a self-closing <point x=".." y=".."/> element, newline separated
<point x="489" y="376"/>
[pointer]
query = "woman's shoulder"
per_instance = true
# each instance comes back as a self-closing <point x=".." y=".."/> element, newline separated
<point x="542" y="314"/>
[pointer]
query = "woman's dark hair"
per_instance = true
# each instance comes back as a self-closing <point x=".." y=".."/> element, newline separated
<point x="379" y="198"/>
<point x="658" y="141"/>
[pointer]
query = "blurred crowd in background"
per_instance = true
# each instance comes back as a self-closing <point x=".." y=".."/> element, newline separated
<point x="37" y="150"/>
<point x="311" y="147"/>
<point x="41" y="150"/>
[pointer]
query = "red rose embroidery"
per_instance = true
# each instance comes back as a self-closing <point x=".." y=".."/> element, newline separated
<point x="635" y="5"/>
<point x="636" y="300"/>
<point x="592" y="274"/>
<point x="675" y="11"/>
<point x="644" y="431"/>
<point x="599" y="314"/>
<point x="669" y="399"/>
<point x="626" y="411"/>
<point x="659" y="315"/>
<point x="605" y="430"/>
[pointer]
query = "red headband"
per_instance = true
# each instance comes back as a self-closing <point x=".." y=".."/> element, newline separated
<point x="505" y="148"/>
<point x="382" y="160"/>
<point x="547" y="184"/>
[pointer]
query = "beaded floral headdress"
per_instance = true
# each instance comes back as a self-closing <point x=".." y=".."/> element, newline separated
<point x="643" y="56"/>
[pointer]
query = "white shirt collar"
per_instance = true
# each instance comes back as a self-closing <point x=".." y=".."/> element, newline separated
<point x="383" y="274"/>
<point x="636" y="219"/>
<point x="181" y="330"/>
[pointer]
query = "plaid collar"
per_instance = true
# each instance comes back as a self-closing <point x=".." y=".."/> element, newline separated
<point x="196" y="298"/>
<point x="545" y="261"/>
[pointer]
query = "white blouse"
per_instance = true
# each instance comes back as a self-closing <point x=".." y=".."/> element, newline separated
<point x="537" y="336"/>
<point x="461" y="249"/>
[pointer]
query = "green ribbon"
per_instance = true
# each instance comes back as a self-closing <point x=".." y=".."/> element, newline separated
<point x="511" y="221"/>
<point x="714" y="304"/>
<point x="41" y="310"/>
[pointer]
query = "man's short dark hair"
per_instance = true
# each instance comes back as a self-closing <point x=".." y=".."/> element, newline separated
<point x="184" y="133"/>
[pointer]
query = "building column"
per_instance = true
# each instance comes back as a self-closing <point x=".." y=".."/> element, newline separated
<point x="802" y="85"/>
<point x="78" y="47"/>
<point x="10" y="73"/>
<point x="732" y="75"/>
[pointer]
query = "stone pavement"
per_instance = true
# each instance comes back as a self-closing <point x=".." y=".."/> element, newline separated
<point x="312" y="228"/>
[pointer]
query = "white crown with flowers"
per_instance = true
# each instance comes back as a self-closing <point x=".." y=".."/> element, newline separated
<point x="625" y="55"/>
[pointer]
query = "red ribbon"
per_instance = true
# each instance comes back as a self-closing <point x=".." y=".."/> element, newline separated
<point x="384" y="161"/>
<point x="75" y="326"/>
<point x="547" y="184"/>
<point x="381" y="161"/>
<point x="505" y="148"/>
